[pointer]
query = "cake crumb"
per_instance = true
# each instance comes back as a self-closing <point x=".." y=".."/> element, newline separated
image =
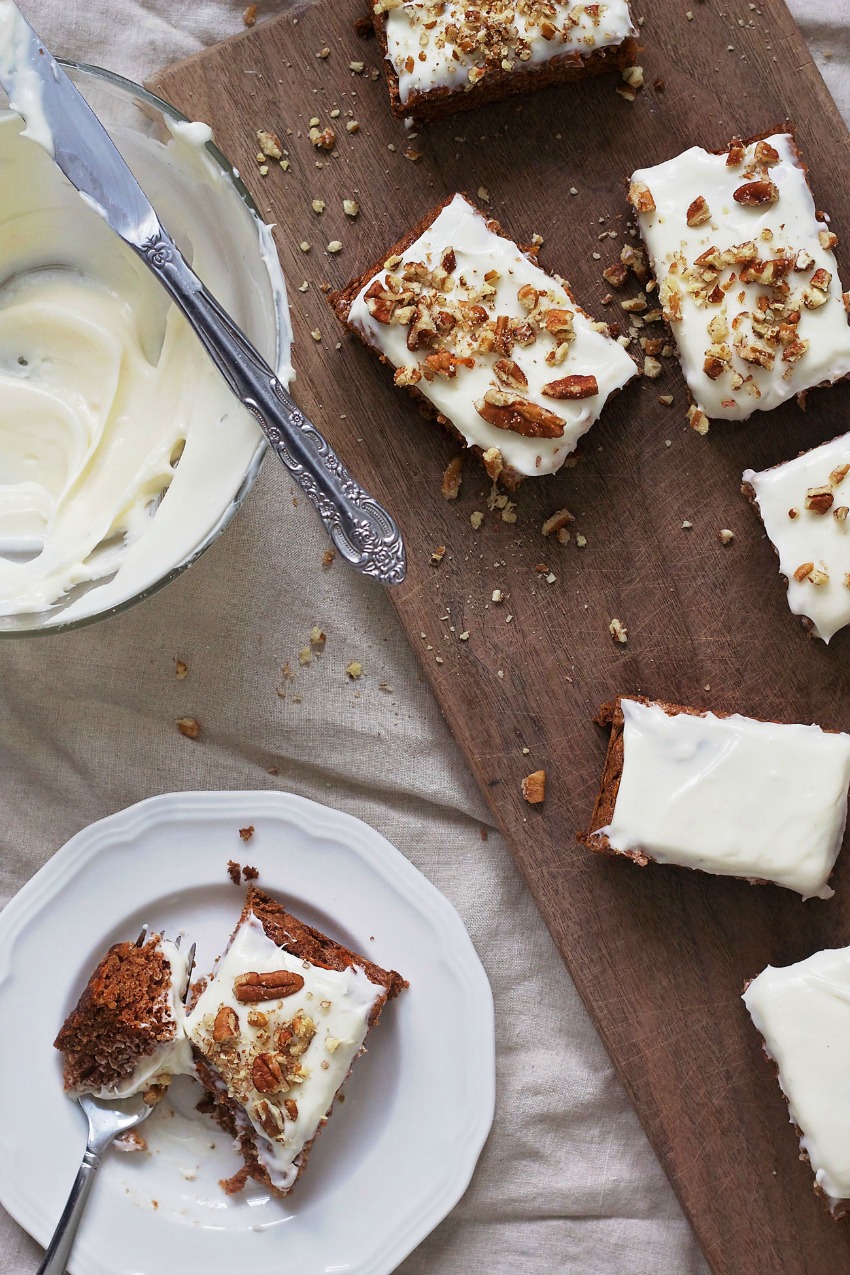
<point x="618" y="631"/>
<point x="328" y="557"/>
<point x="189" y="726"/>
<point x="247" y="833"/>
<point x="249" y="17"/>
<point x="452" y="478"/>
<point x="234" y="871"/>
<point x="725" y="536"/>
<point x="318" y="638"/>
<point x="181" y="669"/>
<point x="354" y="670"/>
<point x="476" y="518"/>
<point x="534" y="787"/>
<point x="250" y="873"/>
<point x="270" y="144"/>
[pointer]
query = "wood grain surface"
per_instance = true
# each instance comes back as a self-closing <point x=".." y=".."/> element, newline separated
<point x="659" y="955"/>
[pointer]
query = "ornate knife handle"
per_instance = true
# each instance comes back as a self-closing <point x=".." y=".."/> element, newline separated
<point x="362" y="530"/>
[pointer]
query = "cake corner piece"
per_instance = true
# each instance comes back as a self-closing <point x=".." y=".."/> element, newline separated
<point x="746" y="272"/>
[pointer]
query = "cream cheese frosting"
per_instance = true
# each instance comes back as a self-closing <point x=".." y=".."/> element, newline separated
<point x="805" y="507"/>
<point x="312" y="1037"/>
<point x="550" y="339"/>
<point x="803" y="1013"/>
<point x="174" y="1056"/>
<point x="121" y="447"/>
<point x="454" y="45"/>
<point x="747" y="277"/>
<point x="732" y="796"/>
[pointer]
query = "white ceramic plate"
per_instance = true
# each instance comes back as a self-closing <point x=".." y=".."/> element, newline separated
<point x="393" y="1160"/>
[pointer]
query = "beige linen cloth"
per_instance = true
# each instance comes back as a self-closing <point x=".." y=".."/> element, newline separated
<point x="567" y="1182"/>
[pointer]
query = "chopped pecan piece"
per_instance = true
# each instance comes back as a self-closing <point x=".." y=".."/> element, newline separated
<point x="640" y="198"/>
<point x="502" y="335"/>
<point x="510" y="374"/>
<point x="735" y="155"/>
<point x="698" y="212"/>
<point x="803" y="571"/>
<point x="534" y="787"/>
<point x="574" y="386"/>
<point x="270" y="986"/>
<point x="756" y="193"/>
<point x="766" y="154"/>
<point x="819" y="499"/>
<point x="446" y="364"/>
<point x="560" y="323"/>
<point x="556" y="522"/>
<point x="519" y="416"/>
<point x="616" y="275"/>
<point x="838" y="474"/>
<point x="450" y="485"/>
<point x="269" y="1117"/>
<point x="226" y="1025"/>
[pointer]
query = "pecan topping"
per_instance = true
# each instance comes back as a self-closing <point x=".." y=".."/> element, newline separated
<point x="766" y="154"/>
<point x="616" y="275"/>
<point x="804" y="569"/>
<point x="735" y="156"/>
<point x="291" y="1108"/>
<point x="266" y="987"/>
<point x="559" y="323"/>
<point x="839" y="474"/>
<point x="226" y="1025"/>
<point x="446" y="364"/>
<point x="698" y="212"/>
<point x="819" y="499"/>
<point x="510" y="374"/>
<point x="755" y="193"/>
<point x="269" y="1118"/>
<point x="519" y="416"/>
<point x="640" y="198"/>
<point x="572" y="387"/>
<point x="267" y="1075"/>
<point x="502" y="335"/>
<point x="449" y="260"/>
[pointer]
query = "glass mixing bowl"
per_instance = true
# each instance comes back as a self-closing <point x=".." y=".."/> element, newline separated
<point x="130" y="113"/>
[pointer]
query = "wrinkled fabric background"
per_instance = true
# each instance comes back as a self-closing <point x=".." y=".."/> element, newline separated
<point x="567" y="1182"/>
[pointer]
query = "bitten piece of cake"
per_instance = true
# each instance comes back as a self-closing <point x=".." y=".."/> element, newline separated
<point x="276" y="1031"/>
<point x="125" y="1035"/>
<point x="746" y="274"/>
<point x="723" y="793"/>
<point x="497" y="348"/>
<point x="805" y="505"/>
<point x="446" y="57"/>
<point x="803" y="1013"/>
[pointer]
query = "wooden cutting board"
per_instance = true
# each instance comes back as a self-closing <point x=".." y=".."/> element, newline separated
<point x="659" y="955"/>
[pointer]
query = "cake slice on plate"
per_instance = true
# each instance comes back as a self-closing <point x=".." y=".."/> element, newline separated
<point x="126" y="1033"/>
<point x="491" y="345"/>
<point x="803" y="1014"/>
<point x="746" y="273"/>
<point x="723" y="793"/>
<point x="276" y="1030"/>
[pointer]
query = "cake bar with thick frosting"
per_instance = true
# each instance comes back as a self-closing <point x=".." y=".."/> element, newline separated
<point x="805" y="505"/>
<point x="803" y="1014"/>
<point x="746" y="274"/>
<point x="727" y="794"/>
<point x="497" y="347"/>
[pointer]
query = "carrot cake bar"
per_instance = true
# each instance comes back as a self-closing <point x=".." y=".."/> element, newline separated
<point x="804" y="505"/>
<point x="442" y="57"/>
<point x="746" y="275"/>
<point x="723" y="793"/>
<point x="497" y="349"/>
<point x="803" y="1014"/>
<point x="276" y="1031"/>
<point x="125" y="1035"/>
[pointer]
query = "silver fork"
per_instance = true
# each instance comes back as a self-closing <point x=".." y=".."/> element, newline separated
<point x="107" y="1118"/>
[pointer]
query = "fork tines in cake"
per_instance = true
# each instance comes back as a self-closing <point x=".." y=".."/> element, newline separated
<point x="496" y="348"/>
<point x="727" y="794"/>
<point x="446" y="57"/>
<point x="803" y="1014"/>
<point x="805" y="505"/>
<point x="276" y="1031"/>
<point x="746" y="275"/>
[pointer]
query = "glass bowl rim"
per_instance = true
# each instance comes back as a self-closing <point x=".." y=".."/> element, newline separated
<point x="141" y="94"/>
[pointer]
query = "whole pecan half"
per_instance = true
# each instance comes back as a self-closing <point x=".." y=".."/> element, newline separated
<point x="226" y="1025"/>
<point x="572" y="387"/>
<point x="267" y="1075"/>
<point x="519" y="416"/>
<point x="266" y="987"/>
<point x="753" y="193"/>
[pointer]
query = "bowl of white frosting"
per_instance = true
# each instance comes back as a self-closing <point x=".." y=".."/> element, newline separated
<point x="123" y="454"/>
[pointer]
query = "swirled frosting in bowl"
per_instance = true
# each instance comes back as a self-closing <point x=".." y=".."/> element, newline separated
<point x="122" y="450"/>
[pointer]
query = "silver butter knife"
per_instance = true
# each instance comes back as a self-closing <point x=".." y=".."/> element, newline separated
<point x="59" y="119"/>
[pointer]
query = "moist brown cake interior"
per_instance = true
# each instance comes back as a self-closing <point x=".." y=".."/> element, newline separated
<point x="123" y="1015"/>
